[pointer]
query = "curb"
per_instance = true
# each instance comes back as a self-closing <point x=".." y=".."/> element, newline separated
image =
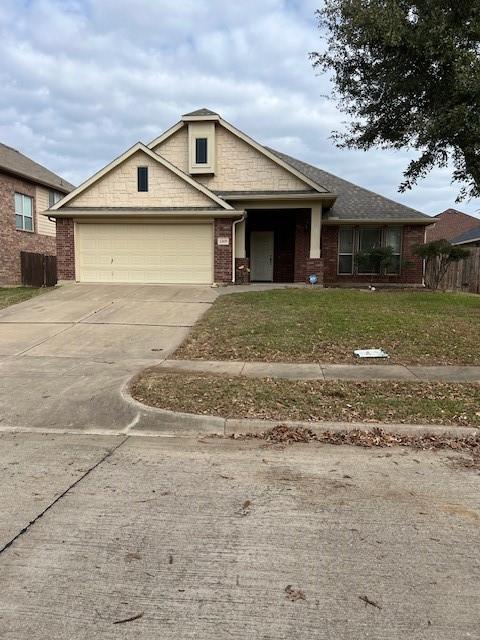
<point x="162" y="422"/>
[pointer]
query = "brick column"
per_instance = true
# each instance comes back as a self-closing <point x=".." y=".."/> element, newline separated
<point x="222" y="253"/>
<point x="65" y="249"/>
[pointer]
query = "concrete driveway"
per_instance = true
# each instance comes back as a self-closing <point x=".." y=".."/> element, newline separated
<point x="65" y="355"/>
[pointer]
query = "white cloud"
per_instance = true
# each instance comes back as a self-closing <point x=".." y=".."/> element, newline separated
<point x="83" y="80"/>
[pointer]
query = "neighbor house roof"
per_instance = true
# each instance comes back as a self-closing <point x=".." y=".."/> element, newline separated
<point x="14" y="162"/>
<point x="354" y="202"/>
<point x="472" y="235"/>
<point x="449" y="224"/>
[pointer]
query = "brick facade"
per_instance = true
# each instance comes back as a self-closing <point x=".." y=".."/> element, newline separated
<point x="412" y="273"/>
<point x="222" y="254"/>
<point x="12" y="240"/>
<point x="65" y="249"/>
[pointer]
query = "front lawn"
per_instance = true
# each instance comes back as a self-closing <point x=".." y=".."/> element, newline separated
<point x="326" y="325"/>
<point x="280" y="399"/>
<point x="12" y="295"/>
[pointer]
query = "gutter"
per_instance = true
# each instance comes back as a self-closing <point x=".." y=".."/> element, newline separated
<point x="242" y="219"/>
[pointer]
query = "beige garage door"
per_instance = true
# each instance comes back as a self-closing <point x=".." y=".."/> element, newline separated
<point x="163" y="253"/>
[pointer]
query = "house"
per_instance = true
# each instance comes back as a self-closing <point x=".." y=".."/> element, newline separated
<point x="450" y="224"/>
<point x="203" y="202"/>
<point x="468" y="239"/>
<point x="26" y="190"/>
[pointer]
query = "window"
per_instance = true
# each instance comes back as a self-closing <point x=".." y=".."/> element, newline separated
<point x="353" y="241"/>
<point x="393" y="238"/>
<point x="54" y="197"/>
<point x="200" y="150"/>
<point x="368" y="238"/>
<point x="345" y="250"/>
<point x="142" y="178"/>
<point x="23" y="212"/>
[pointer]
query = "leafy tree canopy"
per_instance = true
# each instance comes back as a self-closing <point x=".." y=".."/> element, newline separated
<point x="408" y="75"/>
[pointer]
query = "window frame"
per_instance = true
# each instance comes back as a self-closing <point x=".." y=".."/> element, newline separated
<point x="142" y="179"/>
<point x="22" y="215"/>
<point x="346" y="253"/>
<point x="198" y="162"/>
<point x="356" y="249"/>
<point x="54" y="196"/>
<point x="400" y="252"/>
<point x="359" y="230"/>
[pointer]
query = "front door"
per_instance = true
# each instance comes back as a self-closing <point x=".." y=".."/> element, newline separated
<point x="261" y="256"/>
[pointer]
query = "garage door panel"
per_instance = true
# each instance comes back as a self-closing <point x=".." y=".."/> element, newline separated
<point x="163" y="253"/>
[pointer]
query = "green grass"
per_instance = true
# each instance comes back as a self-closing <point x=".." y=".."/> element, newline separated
<point x="281" y="399"/>
<point x="13" y="295"/>
<point x="298" y="325"/>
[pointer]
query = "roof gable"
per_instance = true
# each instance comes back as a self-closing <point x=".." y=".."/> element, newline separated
<point x="85" y="195"/>
<point x="302" y="180"/>
<point x="451" y="223"/>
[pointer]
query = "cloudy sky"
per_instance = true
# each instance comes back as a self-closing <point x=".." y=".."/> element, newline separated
<point x="82" y="80"/>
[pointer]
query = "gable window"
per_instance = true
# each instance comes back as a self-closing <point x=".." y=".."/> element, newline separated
<point x="142" y="178"/>
<point x="23" y="212"/>
<point x="201" y="151"/>
<point x="345" y="250"/>
<point x="54" y="197"/>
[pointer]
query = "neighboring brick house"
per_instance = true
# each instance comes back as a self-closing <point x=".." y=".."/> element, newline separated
<point x="26" y="190"/>
<point x="205" y="203"/>
<point x="450" y="224"/>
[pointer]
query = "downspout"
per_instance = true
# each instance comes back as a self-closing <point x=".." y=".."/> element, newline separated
<point x="242" y="219"/>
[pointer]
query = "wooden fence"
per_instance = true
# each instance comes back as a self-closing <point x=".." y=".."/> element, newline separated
<point x="38" y="269"/>
<point x="463" y="275"/>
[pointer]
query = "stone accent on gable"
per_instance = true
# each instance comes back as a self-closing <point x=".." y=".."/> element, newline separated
<point x="118" y="188"/>
<point x="12" y="240"/>
<point x="238" y="166"/>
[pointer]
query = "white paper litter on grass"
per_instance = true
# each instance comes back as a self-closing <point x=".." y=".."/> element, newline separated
<point x="371" y="353"/>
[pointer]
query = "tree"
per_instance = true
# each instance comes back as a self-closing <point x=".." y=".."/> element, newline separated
<point x="438" y="256"/>
<point x="407" y="73"/>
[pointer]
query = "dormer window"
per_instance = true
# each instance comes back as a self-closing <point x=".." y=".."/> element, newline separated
<point x="201" y="147"/>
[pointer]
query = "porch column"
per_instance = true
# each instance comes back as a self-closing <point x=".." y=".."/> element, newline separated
<point x="315" y="231"/>
<point x="240" y="251"/>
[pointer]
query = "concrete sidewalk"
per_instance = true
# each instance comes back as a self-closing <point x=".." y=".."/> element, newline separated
<point x="314" y="371"/>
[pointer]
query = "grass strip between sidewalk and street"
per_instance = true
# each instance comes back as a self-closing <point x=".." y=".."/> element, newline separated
<point x="310" y="400"/>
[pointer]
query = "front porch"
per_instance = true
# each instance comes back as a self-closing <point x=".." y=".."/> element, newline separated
<point x="278" y="245"/>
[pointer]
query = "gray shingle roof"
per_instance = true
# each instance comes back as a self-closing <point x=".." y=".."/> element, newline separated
<point x="353" y="202"/>
<point x="472" y="235"/>
<point x="15" y="162"/>
<point x="200" y="112"/>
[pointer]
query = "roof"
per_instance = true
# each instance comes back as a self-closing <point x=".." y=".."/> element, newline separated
<point x="472" y="235"/>
<point x="15" y="162"/>
<point x="354" y="202"/>
<point x="450" y="224"/>
<point x="200" y="112"/>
